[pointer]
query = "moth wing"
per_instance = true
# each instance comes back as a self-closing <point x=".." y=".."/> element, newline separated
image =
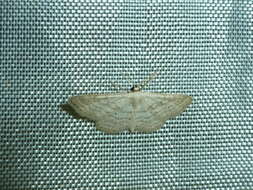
<point x="142" y="112"/>
<point x="155" y="109"/>
<point x="108" y="111"/>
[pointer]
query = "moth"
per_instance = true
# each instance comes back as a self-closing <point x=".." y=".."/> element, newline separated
<point x="134" y="110"/>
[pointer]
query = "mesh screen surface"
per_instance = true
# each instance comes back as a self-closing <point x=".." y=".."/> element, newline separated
<point x="51" y="50"/>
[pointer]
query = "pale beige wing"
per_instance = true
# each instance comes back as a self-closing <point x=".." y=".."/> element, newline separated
<point x="154" y="109"/>
<point x="111" y="113"/>
<point x="138" y="111"/>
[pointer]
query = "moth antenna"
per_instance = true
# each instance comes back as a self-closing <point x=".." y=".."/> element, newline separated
<point x="146" y="81"/>
<point x="115" y="85"/>
<point x="128" y="78"/>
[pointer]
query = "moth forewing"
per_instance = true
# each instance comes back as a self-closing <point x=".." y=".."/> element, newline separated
<point x="135" y="111"/>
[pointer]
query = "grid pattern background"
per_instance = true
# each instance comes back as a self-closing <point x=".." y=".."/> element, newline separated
<point x="51" y="50"/>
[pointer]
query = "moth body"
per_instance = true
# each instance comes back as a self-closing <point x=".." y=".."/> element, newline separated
<point x="135" y="111"/>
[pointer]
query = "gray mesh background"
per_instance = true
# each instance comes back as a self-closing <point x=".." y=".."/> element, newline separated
<point x="51" y="50"/>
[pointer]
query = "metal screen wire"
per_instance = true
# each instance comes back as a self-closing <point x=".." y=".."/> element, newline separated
<point x="52" y="50"/>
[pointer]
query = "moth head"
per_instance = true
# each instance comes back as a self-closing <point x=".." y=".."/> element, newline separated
<point x="135" y="88"/>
